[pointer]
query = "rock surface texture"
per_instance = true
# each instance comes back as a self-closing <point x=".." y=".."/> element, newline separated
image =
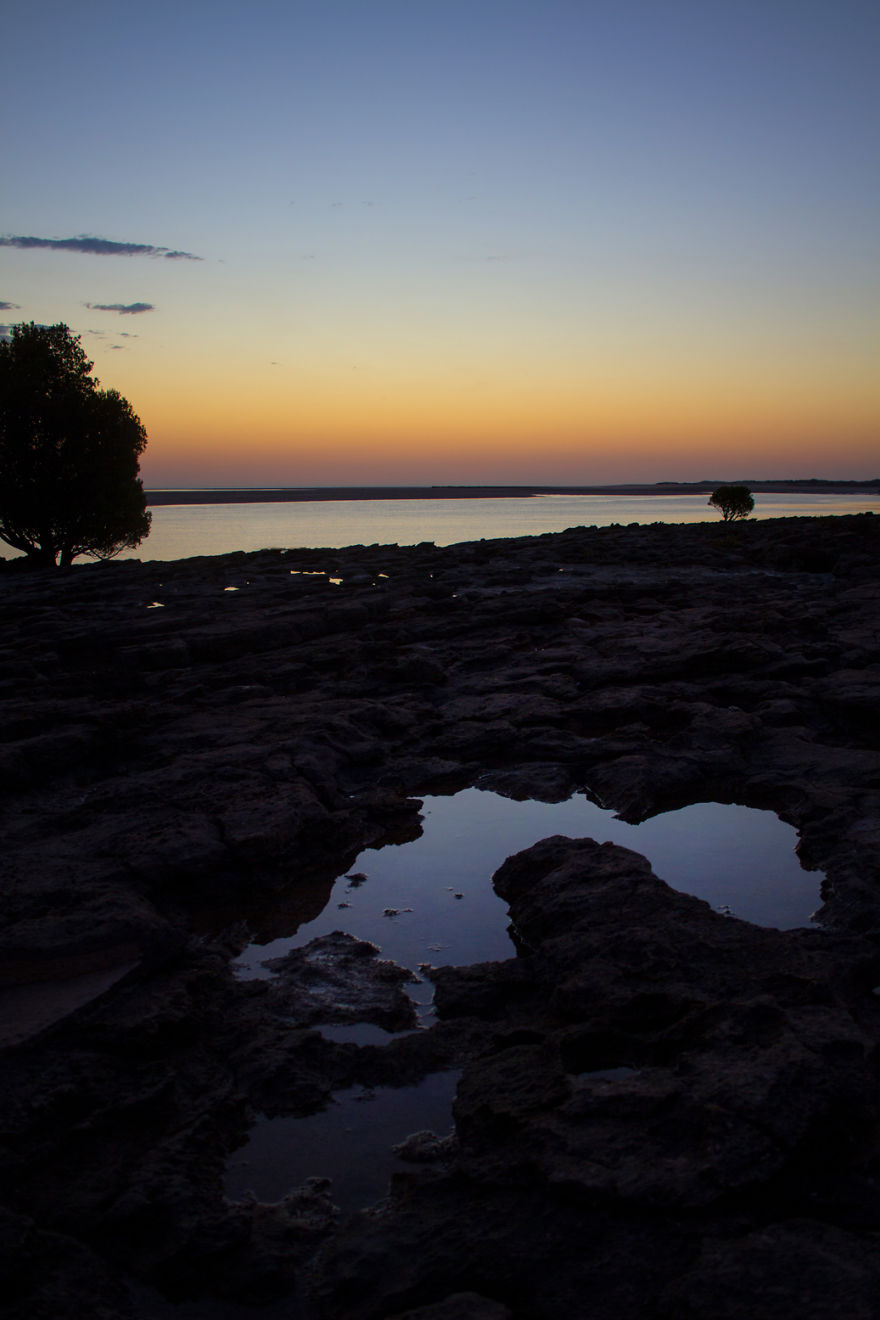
<point x="663" y="1113"/>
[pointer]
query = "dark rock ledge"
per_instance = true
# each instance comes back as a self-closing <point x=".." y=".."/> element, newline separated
<point x="663" y="1112"/>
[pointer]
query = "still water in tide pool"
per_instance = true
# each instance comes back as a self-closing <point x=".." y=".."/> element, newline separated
<point x="351" y="1142"/>
<point x="432" y="901"/>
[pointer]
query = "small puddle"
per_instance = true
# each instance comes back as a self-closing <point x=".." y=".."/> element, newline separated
<point x="352" y="1143"/>
<point x="431" y="901"/>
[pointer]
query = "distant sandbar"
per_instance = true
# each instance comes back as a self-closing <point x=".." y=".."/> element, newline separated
<point x="295" y="494"/>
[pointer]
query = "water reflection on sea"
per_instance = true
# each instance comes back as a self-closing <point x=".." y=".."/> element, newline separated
<point x="181" y="530"/>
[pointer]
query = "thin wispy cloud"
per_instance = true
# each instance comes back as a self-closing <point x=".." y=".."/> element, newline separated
<point x="96" y="247"/>
<point x="8" y="307"/>
<point x="124" y="309"/>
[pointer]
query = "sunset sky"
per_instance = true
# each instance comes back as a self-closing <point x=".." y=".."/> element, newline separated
<point x="379" y="241"/>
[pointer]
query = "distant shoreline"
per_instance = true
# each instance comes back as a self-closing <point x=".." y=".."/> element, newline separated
<point x="296" y="494"/>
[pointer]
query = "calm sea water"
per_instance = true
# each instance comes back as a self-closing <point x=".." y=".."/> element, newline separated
<point x="180" y="530"/>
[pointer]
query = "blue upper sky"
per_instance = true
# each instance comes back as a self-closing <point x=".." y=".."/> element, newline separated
<point x="501" y="239"/>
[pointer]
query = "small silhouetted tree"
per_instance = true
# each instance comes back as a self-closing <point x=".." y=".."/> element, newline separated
<point x="68" y="453"/>
<point x="733" y="502"/>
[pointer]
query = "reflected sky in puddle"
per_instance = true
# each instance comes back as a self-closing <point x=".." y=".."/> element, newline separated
<point x="351" y="1142"/>
<point x="432" y="901"/>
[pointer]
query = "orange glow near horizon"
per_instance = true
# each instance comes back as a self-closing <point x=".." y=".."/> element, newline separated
<point x="483" y="427"/>
<point x="319" y="457"/>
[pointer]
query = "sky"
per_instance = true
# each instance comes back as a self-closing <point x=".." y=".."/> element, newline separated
<point x="322" y="242"/>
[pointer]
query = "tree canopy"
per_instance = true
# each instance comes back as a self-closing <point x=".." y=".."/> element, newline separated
<point x="69" y="452"/>
<point x="733" y="502"/>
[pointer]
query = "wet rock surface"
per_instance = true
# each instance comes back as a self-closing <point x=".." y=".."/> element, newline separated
<point x="337" y="978"/>
<point x="663" y="1112"/>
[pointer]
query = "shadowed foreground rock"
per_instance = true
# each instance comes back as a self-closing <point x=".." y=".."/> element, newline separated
<point x="650" y="1065"/>
<point x="663" y="1112"/>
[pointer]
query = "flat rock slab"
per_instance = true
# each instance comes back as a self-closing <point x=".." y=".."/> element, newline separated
<point x="662" y="1111"/>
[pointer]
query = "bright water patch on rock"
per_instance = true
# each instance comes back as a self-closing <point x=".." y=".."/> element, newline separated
<point x="431" y="901"/>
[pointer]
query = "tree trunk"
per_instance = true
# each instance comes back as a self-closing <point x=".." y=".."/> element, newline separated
<point x="42" y="556"/>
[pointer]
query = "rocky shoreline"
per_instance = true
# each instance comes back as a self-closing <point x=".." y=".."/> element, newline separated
<point x="663" y="1112"/>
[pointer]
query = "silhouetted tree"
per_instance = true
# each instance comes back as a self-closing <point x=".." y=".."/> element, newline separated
<point x="68" y="452"/>
<point x="733" y="501"/>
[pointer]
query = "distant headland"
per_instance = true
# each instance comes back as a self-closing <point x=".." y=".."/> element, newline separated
<point x="292" y="494"/>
